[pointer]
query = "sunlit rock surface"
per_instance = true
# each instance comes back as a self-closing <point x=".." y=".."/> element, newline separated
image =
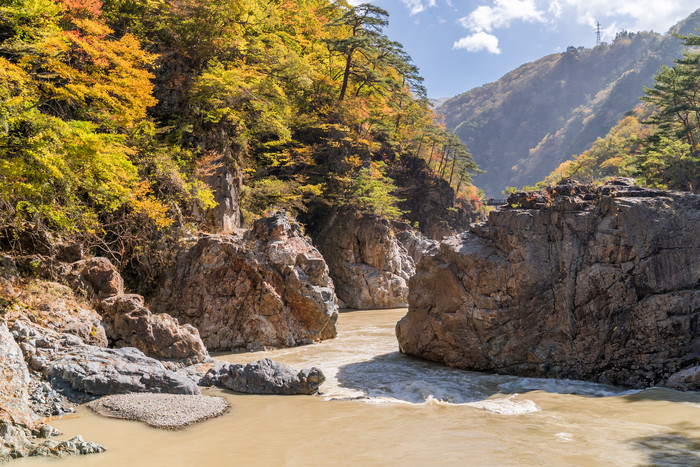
<point x="580" y="282"/>
<point x="266" y="287"/>
<point x="369" y="266"/>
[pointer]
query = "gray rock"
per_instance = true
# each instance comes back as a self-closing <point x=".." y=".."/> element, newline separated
<point x="267" y="287"/>
<point x="579" y="282"/>
<point x="416" y="244"/>
<point x="82" y="372"/>
<point x="57" y="307"/>
<point x="20" y="430"/>
<point x="685" y="380"/>
<point x="369" y="267"/>
<point x="265" y="377"/>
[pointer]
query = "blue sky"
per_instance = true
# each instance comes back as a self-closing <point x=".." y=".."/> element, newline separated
<point x="461" y="44"/>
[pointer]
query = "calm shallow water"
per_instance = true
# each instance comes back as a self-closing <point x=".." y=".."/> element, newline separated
<point x="381" y="408"/>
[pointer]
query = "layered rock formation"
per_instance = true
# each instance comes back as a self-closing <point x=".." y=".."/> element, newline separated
<point x="21" y="434"/>
<point x="82" y="372"/>
<point x="130" y="324"/>
<point x="264" y="287"/>
<point x="600" y="284"/>
<point x="369" y="266"/>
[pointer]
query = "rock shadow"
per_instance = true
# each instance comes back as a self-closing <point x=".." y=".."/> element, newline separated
<point x="405" y="378"/>
<point x="669" y="449"/>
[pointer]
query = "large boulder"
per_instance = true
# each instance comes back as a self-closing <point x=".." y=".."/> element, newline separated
<point x="82" y="372"/>
<point x="265" y="377"/>
<point x="369" y="266"/>
<point x="130" y="324"/>
<point x="20" y="432"/>
<point x="578" y="282"/>
<point x="266" y="287"/>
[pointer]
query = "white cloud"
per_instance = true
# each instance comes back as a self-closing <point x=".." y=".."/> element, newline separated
<point x="478" y="41"/>
<point x="555" y="9"/>
<point x="501" y="14"/>
<point x="417" y="6"/>
<point x="657" y="15"/>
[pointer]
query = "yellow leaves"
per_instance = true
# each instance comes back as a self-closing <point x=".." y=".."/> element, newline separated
<point x="74" y="62"/>
<point x="353" y="161"/>
<point x="145" y="204"/>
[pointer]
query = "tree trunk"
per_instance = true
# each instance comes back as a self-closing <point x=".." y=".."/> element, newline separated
<point x="346" y="76"/>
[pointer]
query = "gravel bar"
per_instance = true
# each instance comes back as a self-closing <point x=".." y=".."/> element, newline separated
<point x="167" y="411"/>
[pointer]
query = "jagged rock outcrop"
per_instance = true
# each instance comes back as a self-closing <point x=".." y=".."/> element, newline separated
<point x="589" y="283"/>
<point x="130" y="324"/>
<point x="369" y="267"/>
<point x="264" y="287"/>
<point x="265" y="377"/>
<point x="56" y="307"/>
<point x="416" y="244"/>
<point x="428" y="200"/>
<point x="227" y="184"/>
<point x="21" y="434"/>
<point x="82" y="372"/>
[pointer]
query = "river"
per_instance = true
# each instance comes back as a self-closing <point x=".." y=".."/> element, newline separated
<point x="381" y="408"/>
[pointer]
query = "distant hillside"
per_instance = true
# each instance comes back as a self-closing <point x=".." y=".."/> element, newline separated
<point x="525" y="124"/>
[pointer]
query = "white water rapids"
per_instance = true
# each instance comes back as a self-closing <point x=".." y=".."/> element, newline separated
<point x="381" y="408"/>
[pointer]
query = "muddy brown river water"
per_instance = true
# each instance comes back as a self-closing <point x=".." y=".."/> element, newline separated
<point x="381" y="408"/>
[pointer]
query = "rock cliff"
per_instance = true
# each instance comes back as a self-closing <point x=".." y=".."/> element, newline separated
<point x="264" y="287"/>
<point x="579" y="282"/>
<point x="369" y="266"/>
<point x="21" y="434"/>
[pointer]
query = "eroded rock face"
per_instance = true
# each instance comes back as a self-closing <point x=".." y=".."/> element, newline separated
<point x="83" y="371"/>
<point x="130" y="324"/>
<point x="589" y="283"/>
<point x="416" y="244"/>
<point x="21" y="435"/>
<point x="226" y="183"/>
<point x="56" y="307"/>
<point x="264" y="287"/>
<point x="265" y="377"/>
<point x="370" y="268"/>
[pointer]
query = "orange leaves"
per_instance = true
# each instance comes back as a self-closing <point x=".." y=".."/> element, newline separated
<point x="81" y="72"/>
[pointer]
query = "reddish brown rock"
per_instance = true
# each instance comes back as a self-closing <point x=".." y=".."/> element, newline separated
<point x="130" y="324"/>
<point x="588" y="283"/>
<point x="264" y="287"/>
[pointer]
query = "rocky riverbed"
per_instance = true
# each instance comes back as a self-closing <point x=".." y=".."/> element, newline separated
<point x="71" y="334"/>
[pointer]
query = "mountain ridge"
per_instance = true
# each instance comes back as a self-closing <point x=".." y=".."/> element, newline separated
<point x="538" y="115"/>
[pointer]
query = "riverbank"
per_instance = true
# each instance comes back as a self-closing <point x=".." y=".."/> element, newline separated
<point x="404" y="416"/>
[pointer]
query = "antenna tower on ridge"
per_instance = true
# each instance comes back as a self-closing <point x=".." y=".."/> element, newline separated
<point x="597" y="33"/>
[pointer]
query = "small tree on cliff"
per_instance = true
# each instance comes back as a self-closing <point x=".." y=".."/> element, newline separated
<point x="672" y="156"/>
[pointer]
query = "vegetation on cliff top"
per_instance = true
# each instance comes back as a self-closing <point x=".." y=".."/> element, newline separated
<point x="658" y="143"/>
<point x="113" y="115"/>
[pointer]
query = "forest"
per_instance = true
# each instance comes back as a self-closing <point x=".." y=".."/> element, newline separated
<point x="657" y="143"/>
<point x="116" y="116"/>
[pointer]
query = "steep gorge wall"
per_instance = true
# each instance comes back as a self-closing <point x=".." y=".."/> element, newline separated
<point x="600" y="284"/>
